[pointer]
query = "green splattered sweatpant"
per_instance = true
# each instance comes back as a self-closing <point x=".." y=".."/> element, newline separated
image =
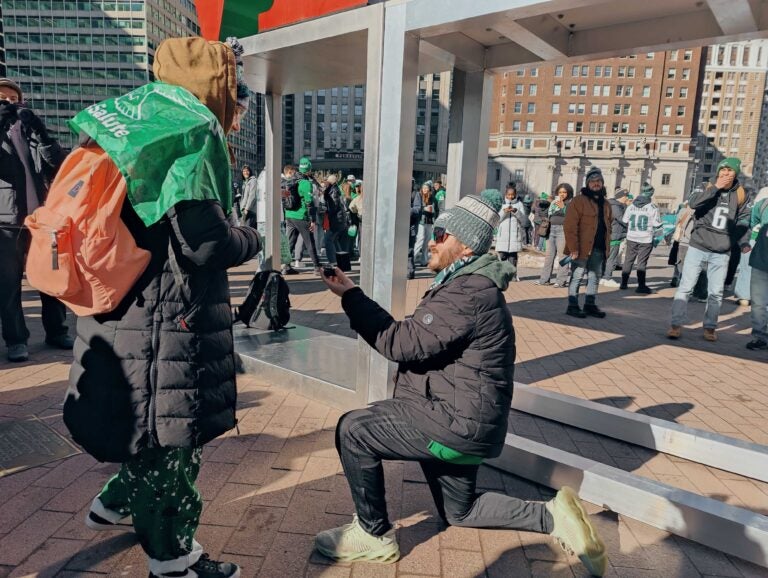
<point x="157" y="488"/>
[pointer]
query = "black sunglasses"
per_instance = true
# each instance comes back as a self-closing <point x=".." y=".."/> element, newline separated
<point x="439" y="234"/>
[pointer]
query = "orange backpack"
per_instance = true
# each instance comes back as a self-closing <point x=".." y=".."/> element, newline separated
<point x="81" y="251"/>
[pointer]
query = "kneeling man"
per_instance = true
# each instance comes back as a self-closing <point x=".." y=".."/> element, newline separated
<point x="452" y="398"/>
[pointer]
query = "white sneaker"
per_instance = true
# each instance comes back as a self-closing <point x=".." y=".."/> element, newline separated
<point x="609" y="283"/>
<point x="350" y="543"/>
<point x="575" y="533"/>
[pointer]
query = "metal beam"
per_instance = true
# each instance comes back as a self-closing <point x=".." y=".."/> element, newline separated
<point x="703" y="447"/>
<point x="469" y="54"/>
<point x="508" y="55"/>
<point x="733" y="16"/>
<point x="715" y="524"/>
<point x="544" y="44"/>
<point x="433" y="59"/>
<point x="273" y="140"/>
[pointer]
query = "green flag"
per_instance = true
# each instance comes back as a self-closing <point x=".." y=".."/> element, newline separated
<point x="167" y="145"/>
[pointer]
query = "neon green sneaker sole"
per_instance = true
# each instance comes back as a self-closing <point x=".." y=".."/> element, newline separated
<point x="388" y="555"/>
<point x="590" y="549"/>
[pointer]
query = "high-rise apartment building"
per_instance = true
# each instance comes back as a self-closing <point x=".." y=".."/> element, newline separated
<point x="328" y="126"/>
<point x="635" y="117"/>
<point x="66" y="55"/>
<point x="734" y="110"/>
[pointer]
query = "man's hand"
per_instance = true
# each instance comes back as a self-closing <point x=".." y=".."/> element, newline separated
<point x="339" y="283"/>
<point x="311" y="227"/>
<point x="724" y="182"/>
<point x="746" y="249"/>
<point x="31" y="120"/>
<point x="575" y="255"/>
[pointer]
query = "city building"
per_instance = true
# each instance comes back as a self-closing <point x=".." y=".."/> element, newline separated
<point x="328" y="126"/>
<point x="66" y="55"/>
<point x="635" y="117"/>
<point x="734" y="111"/>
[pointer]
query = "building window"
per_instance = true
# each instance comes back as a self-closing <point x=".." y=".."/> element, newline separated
<point x="575" y="70"/>
<point x="646" y="91"/>
<point x="667" y="110"/>
<point x="519" y="89"/>
<point x="643" y="110"/>
<point x="595" y="109"/>
<point x="516" y="125"/>
<point x="675" y="147"/>
<point x="688" y="55"/>
<point x="583" y="90"/>
<point x="666" y="178"/>
<point x="501" y="127"/>
<point x="616" y="109"/>
<point x="607" y="71"/>
<point x="683" y="92"/>
<point x="529" y="126"/>
<point x="648" y="72"/>
<point x="686" y="73"/>
<point x="585" y="70"/>
<point x="531" y="108"/>
<point x="603" y="110"/>
<point x="532" y="90"/>
<point x="596" y="90"/>
<point x="681" y="110"/>
<point x="641" y="128"/>
<point x="598" y="71"/>
<point x="503" y="108"/>
<point x="503" y="91"/>
<point x="673" y="54"/>
<point x="622" y="72"/>
<point x="665" y="129"/>
<point x="669" y="92"/>
<point x="574" y="89"/>
<point x="520" y="72"/>
<point x="678" y="129"/>
<point x="624" y="127"/>
<point x="631" y="72"/>
<point x="557" y="89"/>
<point x="649" y="56"/>
<point x="606" y="90"/>
<point x="579" y="126"/>
<point x="671" y="73"/>
<point x="534" y="72"/>
<point x="553" y="126"/>
<point x="555" y="108"/>
<point x="518" y="107"/>
<point x="626" y="109"/>
<point x="571" y="126"/>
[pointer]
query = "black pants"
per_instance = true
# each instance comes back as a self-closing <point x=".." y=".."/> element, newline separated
<point x="14" y="244"/>
<point x="296" y="227"/>
<point x="636" y="251"/>
<point x="412" y="232"/>
<point x="365" y="437"/>
<point x="504" y="256"/>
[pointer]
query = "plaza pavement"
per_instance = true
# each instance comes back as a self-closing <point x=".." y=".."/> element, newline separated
<point x="270" y="488"/>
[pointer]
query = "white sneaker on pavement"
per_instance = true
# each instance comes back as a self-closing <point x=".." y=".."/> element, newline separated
<point x="609" y="283"/>
<point x="574" y="531"/>
<point x="350" y="543"/>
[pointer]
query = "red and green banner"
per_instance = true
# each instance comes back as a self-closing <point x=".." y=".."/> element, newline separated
<point x="221" y="18"/>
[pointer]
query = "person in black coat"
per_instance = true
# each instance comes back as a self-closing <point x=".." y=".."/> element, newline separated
<point x="336" y="220"/>
<point x="154" y="380"/>
<point x="29" y="158"/>
<point x="453" y="390"/>
<point x="413" y="228"/>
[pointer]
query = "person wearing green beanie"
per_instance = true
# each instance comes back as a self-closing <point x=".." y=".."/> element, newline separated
<point x="300" y="222"/>
<point x="721" y="222"/>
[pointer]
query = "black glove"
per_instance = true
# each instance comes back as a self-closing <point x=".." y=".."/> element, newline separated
<point x="9" y="113"/>
<point x="30" y="120"/>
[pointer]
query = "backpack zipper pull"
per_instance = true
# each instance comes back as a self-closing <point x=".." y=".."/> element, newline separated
<point x="54" y="251"/>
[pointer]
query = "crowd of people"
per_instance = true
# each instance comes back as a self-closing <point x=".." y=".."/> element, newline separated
<point x="153" y="380"/>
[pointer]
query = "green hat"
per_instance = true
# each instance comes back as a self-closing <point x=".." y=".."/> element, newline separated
<point x="305" y="165"/>
<point x="647" y="190"/>
<point x="543" y="196"/>
<point x="731" y="163"/>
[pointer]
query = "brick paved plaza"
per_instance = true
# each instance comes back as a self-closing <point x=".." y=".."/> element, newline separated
<point x="268" y="490"/>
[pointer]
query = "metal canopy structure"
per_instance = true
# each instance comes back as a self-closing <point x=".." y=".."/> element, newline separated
<point x="385" y="46"/>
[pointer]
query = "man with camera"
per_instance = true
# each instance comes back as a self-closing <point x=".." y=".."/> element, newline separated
<point x="29" y="158"/>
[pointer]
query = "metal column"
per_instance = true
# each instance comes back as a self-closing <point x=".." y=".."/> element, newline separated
<point x="468" y="134"/>
<point x="273" y="139"/>
<point x="390" y="135"/>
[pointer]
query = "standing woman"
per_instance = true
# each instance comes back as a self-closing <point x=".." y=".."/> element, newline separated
<point x="556" y="245"/>
<point x="511" y="236"/>
<point x="428" y="215"/>
<point x="356" y="214"/>
<point x="250" y="198"/>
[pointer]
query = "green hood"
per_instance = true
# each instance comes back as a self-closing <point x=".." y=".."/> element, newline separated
<point x="500" y="272"/>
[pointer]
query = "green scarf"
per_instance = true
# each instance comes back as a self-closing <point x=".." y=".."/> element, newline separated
<point x="168" y="146"/>
<point x="449" y="271"/>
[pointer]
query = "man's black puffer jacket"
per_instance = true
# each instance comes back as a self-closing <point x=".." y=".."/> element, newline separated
<point x="455" y="356"/>
<point x="159" y="371"/>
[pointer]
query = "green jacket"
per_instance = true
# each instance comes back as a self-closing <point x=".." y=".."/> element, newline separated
<point x="304" y="212"/>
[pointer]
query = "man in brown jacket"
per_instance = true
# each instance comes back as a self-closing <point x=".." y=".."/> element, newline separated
<point x="587" y="241"/>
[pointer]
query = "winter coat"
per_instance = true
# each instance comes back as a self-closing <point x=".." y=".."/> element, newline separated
<point x="511" y="232"/>
<point x="250" y="198"/>
<point x="455" y="356"/>
<point x="541" y="209"/>
<point x="428" y="218"/>
<point x="25" y="160"/>
<point x="159" y="371"/>
<point x="338" y="220"/>
<point x="580" y="225"/>
<point x="618" y="227"/>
